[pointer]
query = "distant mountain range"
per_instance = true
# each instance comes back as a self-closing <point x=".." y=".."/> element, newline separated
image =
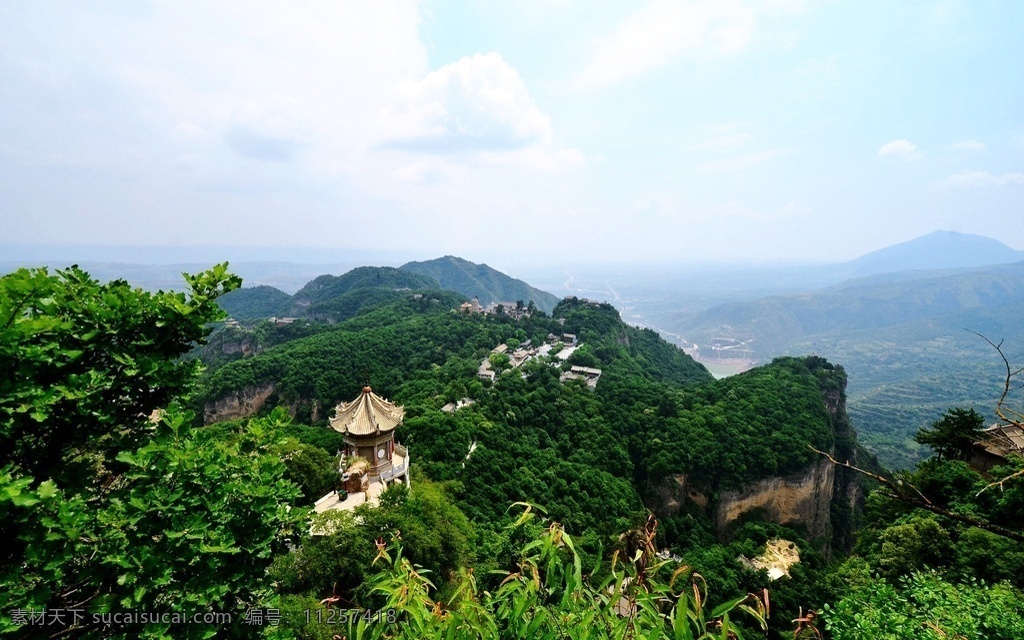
<point x="769" y="325"/>
<point x="335" y="298"/>
<point x="902" y="331"/>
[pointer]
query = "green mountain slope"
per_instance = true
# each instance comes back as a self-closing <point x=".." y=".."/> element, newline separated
<point x="327" y="298"/>
<point x="480" y="280"/>
<point x="332" y="298"/>
<point x="254" y="303"/>
<point x="400" y="338"/>
<point x="327" y="287"/>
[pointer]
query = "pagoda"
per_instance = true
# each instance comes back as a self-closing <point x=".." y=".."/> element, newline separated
<point x="368" y="424"/>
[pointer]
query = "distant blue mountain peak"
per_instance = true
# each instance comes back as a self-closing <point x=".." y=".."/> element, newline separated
<point x="937" y="250"/>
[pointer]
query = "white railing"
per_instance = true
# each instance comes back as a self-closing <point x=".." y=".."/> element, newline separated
<point x="400" y="452"/>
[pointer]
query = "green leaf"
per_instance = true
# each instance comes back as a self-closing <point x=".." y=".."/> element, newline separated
<point x="47" y="489"/>
<point x="725" y="607"/>
<point x="680" y="621"/>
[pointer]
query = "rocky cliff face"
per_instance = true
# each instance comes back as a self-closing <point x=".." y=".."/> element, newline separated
<point x="233" y="341"/>
<point x="247" y="402"/>
<point x="237" y="405"/>
<point x="802" y="498"/>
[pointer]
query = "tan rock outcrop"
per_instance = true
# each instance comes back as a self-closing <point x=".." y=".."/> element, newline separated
<point x="803" y="498"/>
<point x="237" y="405"/>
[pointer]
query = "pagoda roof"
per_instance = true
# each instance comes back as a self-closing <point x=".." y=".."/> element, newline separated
<point x="1002" y="439"/>
<point x="367" y="415"/>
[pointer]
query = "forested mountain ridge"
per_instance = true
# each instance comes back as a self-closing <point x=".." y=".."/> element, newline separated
<point x="481" y="281"/>
<point x="742" y="445"/>
<point x="256" y="303"/>
<point x="326" y="297"/>
<point x="327" y="287"/>
<point x="392" y="342"/>
<point x="655" y="415"/>
<point x="334" y="298"/>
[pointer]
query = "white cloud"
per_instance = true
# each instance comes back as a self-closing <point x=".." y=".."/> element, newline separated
<point x="901" y="148"/>
<point x="477" y="105"/>
<point x="543" y="158"/>
<point x="968" y="145"/>
<point x="665" y="30"/>
<point x="235" y="82"/>
<point x="969" y="179"/>
<point x="474" y="104"/>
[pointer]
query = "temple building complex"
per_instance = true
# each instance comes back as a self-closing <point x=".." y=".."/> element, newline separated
<point x="372" y="460"/>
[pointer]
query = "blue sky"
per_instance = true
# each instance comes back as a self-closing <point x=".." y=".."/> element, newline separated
<point x="778" y="130"/>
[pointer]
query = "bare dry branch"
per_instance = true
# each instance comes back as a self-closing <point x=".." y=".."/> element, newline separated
<point x="1001" y="409"/>
<point x="894" y="485"/>
<point x="1001" y="483"/>
<point x="1007" y="383"/>
<point x="896" y="490"/>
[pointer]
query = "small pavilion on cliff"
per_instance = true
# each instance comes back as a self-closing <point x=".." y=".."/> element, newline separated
<point x="372" y="460"/>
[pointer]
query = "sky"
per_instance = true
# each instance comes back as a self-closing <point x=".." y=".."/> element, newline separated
<point x="531" y="131"/>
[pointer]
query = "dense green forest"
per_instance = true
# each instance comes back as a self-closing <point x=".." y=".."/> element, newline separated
<point x="326" y="298"/>
<point x="529" y="514"/>
<point x="256" y="303"/>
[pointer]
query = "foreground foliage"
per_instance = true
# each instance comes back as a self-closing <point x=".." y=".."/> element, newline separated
<point x="108" y="502"/>
<point x="942" y="552"/>
<point x="550" y="596"/>
<point x="189" y="528"/>
<point x="84" y="364"/>
<point x="925" y="605"/>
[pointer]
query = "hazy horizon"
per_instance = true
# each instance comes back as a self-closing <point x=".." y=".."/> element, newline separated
<point x="166" y="255"/>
